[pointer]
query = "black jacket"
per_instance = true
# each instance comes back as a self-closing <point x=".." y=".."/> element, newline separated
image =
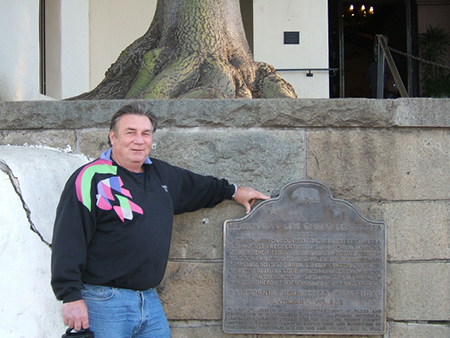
<point x="114" y="228"/>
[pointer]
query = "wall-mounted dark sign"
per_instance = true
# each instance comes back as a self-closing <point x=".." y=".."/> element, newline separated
<point x="304" y="263"/>
<point x="291" y="38"/>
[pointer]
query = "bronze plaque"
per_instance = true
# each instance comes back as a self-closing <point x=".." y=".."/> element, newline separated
<point x="304" y="263"/>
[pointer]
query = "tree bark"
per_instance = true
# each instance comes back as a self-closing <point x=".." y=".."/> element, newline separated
<point x="193" y="49"/>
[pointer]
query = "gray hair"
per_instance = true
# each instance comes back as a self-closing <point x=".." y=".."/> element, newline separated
<point x="132" y="109"/>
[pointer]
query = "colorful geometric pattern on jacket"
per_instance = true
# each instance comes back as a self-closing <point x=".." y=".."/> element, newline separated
<point x="105" y="193"/>
<point x="107" y="190"/>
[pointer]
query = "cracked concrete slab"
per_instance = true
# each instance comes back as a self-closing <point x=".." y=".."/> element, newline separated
<point x="31" y="180"/>
<point x="38" y="176"/>
<point x="27" y="304"/>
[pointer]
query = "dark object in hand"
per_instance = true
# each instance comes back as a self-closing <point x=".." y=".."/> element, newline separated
<point x="79" y="334"/>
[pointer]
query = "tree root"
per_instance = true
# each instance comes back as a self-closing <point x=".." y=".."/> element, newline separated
<point x="162" y="76"/>
<point x="181" y="56"/>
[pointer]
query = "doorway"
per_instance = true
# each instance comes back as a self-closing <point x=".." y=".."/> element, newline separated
<point x="353" y="27"/>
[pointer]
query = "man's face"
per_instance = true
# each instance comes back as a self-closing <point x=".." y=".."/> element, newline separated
<point x="132" y="141"/>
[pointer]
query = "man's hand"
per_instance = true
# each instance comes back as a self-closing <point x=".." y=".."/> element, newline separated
<point x="247" y="197"/>
<point x="75" y="315"/>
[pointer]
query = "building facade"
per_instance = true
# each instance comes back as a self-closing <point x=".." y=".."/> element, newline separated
<point x="63" y="48"/>
<point x="54" y="49"/>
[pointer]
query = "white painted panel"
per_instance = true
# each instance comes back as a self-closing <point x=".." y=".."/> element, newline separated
<point x="315" y="87"/>
<point x="74" y="47"/>
<point x="114" y="25"/>
<point x="308" y="17"/>
<point x="19" y="50"/>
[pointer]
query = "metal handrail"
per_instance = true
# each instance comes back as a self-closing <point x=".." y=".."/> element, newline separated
<point x="309" y="70"/>
<point x="383" y="53"/>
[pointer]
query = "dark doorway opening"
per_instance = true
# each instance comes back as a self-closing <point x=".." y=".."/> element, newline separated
<point x="353" y="26"/>
<point x="247" y="19"/>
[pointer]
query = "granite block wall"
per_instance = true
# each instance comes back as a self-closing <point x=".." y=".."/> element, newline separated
<point x="390" y="158"/>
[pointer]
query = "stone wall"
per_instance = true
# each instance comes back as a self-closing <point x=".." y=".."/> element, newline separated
<point x="390" y="158"/>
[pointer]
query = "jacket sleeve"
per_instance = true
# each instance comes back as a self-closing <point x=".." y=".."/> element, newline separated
<point x="74" y="227"/>
<point x="195" y="191"/>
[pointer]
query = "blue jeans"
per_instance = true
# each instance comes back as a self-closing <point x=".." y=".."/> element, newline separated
<point x="123" y="313"/>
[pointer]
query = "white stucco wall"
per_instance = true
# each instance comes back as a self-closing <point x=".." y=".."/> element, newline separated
<point x="75" y="47"/>
<point x="67" y="47"/>
<point x="310" y="19"/>
<point x="114" y="25"/>
<point x="19" y="50"/>
<point x="28" y="307"/>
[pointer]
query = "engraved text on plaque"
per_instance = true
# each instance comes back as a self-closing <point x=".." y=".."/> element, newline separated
<point x="304" y="263"/>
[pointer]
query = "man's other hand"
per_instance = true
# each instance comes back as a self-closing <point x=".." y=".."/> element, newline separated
<point x="75" y="315"/>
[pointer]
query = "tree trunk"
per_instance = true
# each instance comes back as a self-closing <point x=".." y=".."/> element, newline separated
<point x="193" y="49"/>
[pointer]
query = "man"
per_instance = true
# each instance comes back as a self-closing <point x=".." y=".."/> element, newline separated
<point x="113" y="228"/>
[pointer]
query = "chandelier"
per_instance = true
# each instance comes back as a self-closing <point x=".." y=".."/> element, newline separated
<point x="358" y="14"/>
